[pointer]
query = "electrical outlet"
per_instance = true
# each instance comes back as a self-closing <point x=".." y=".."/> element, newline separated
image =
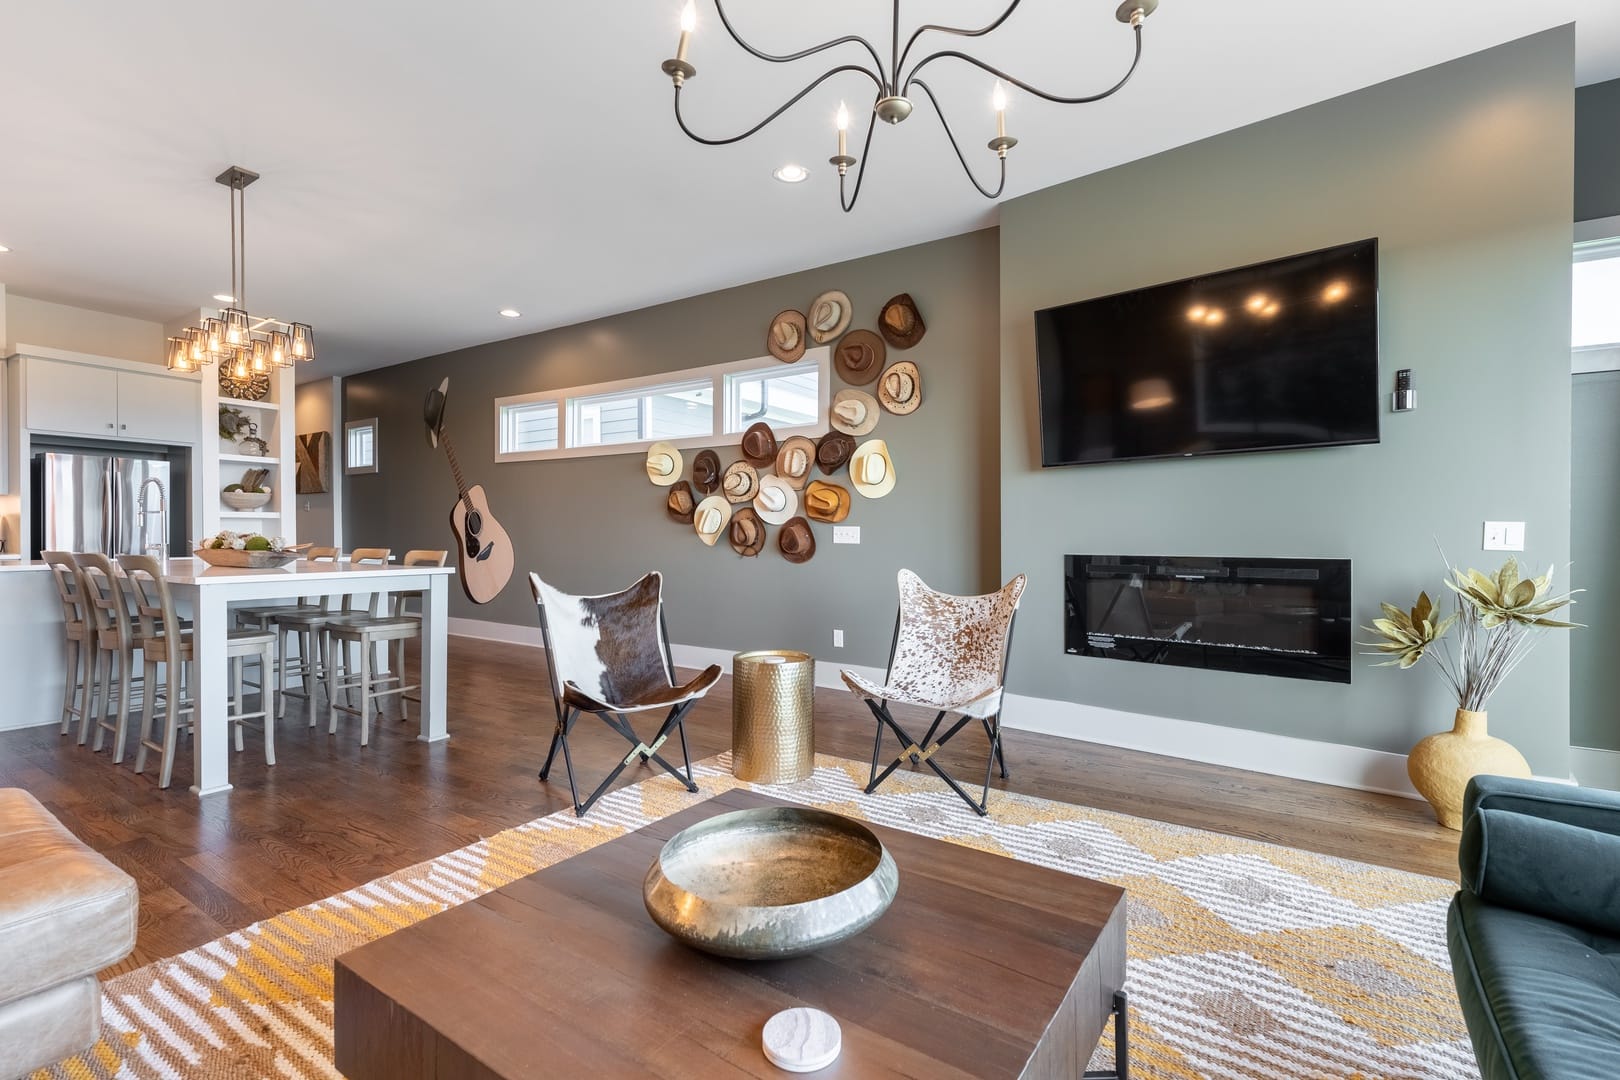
<point x="1504" y="536"/>
<point x="838" y="639"/>
<point x="846" y="534"/>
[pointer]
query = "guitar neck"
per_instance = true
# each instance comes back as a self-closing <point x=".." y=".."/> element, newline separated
<point x="455" y="471"/>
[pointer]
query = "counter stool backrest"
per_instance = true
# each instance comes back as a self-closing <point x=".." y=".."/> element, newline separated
<point x="417" y="557"/>
<point x="365" y="556"/>
<point x="150" y="591"/>
<point x="318" y="554"/>
<point x="65" y="572"/>
<point x="109" y="608"/>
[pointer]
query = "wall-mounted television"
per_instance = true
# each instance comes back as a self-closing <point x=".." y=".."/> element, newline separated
<point x="1276" y="356"/>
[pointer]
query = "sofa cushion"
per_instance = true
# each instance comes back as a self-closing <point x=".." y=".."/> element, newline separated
<point x="1542" y="998"/>
<point x="46" y="1027"/>
<point x="65" y="912"/>
<point x="1543" y="867"/>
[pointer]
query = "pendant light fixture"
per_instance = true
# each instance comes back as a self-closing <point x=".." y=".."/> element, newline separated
<point x="246" y="346"/>
<point x="893" y="84"/>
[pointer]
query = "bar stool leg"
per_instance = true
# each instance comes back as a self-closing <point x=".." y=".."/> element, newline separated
<point x="121" y="730"/>
<point x="269" y="723"/>
<point x="72" y="664"/>
<point x="365" y="694"/>
<point x="332" y="675"/>
<point x="399" y="669"/>
<point x="92" y="692"/>
<point x="144" y="733"/>
<point x="239" y="700"/>
<point x="171" y="721"/>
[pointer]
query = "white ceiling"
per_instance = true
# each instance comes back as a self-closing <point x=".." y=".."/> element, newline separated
<point x="427" y="164"/>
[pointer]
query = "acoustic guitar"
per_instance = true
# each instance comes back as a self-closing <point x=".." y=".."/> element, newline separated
<point x="484" y="556"/>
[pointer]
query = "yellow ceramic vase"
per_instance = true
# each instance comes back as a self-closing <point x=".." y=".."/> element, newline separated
<point x="1442" y="764"/>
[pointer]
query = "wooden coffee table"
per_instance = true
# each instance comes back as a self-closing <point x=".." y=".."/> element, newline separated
<point x="983" y="967"/>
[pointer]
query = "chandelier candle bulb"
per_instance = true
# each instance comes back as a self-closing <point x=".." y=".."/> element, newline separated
<point x="998" y="101"/>
<point x="843" y="129"/>
<point x="688" y="24"/>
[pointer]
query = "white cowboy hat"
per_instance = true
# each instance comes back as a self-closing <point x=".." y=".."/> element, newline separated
<point x="776" y="501"/>
<point x="871" y="469"/>
<point x="854" y="412"/>
<point x="710" y="518"/>
<point x="664" y="464"/>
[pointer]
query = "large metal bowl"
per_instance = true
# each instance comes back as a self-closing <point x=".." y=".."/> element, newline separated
<point x="768" y="883"/>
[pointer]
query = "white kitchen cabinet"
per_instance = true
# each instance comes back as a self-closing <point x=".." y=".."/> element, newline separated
<point x="157" y="408"/>
<point x="103" y="402"/>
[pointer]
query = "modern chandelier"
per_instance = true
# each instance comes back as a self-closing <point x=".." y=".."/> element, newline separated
<point x="247" y="346"/>
<point x="894" y="85"/>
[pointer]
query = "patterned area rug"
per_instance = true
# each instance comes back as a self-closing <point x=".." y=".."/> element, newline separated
<point x="1246" y="959"/>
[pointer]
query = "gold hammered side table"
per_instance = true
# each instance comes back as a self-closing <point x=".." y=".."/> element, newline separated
<point x="773" y="738"/>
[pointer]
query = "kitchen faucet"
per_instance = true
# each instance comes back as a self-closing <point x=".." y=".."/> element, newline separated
<point x="162" y="510"/>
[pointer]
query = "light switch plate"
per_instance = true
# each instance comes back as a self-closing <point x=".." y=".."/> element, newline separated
<point x="838" y="639"/>
<point x="846" y="534"/>
<point x="1504" y="536"/>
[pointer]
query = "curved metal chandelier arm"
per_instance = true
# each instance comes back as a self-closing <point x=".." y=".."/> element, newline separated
<point x="959" y="31"/>
<point x="784" y="58"/>
<point x="860" y="173"/>
<point x="1021" y="84"/>
<point x="792" y="101"/>
<point x="986" y="192"/>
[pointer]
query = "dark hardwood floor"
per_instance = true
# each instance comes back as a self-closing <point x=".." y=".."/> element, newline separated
<point x="331" y="816"/>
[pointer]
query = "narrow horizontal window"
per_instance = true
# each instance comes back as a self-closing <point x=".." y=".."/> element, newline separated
<point x="528" y="426"/>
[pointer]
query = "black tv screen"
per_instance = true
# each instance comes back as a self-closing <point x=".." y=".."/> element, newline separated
<point x="1275" y="356"/>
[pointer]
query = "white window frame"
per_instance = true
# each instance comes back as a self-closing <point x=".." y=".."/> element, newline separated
<point x="348" y="457"/>
<point x="820" y="358"/>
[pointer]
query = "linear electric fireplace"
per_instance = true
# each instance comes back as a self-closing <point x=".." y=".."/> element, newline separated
<point x="1286" y="617"/>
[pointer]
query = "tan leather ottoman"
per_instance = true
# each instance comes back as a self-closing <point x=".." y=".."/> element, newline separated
<point x="65" y="913"/>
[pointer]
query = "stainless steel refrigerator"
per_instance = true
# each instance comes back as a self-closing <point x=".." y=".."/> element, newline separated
<point x="93" y="502"/>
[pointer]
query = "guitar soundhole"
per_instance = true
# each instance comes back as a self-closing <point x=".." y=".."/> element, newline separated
<point x="475" y="522"/>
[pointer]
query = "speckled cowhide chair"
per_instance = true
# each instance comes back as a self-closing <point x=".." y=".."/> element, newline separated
<point x="949" y="655"/>
<point x="609" y="656"/>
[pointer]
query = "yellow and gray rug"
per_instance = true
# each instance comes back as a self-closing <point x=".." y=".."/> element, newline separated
<point x="1246" y="959"/>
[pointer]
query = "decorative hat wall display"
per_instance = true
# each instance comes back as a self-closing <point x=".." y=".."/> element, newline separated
<point x="771" y="484"/>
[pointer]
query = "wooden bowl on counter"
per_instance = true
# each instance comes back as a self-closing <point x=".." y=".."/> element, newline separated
<point x="249" y="560"/>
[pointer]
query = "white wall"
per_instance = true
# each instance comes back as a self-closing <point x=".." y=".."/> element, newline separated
<point x="59" y="326"/>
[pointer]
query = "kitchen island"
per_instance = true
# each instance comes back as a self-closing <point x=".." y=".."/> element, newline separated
<point x="31" y="668"/>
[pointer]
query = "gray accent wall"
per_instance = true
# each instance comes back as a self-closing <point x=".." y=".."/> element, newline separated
<point x="1597" y="151"/>
<point x="595" y="524"/>
<point x="1595" y="689"/>
<point x="1464" y="173"/>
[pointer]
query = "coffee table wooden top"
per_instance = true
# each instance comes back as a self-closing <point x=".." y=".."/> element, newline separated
<point x="984" y="966"/>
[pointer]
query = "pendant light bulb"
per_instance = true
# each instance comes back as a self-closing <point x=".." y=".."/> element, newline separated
<point x="843" y="117"/>
<point x="689" y="17"/>
<point x="998" y="98"/>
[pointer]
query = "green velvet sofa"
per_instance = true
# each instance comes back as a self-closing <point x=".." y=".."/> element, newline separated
<point x="1535" y="931"/>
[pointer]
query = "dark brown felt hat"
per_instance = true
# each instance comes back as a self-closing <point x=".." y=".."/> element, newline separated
<point x="826" y="502"/>
<point x="747" y="533"/>
<point x="834" y="451"/>
<point x="759" y="445"/>
<point x="901" y="322"/>
<point x="859" y="357"/>
<point x="796" y="541"/>
<point x="706" y="471"/>
<point x="786" y="336"/>
<point x="680" y="502"/>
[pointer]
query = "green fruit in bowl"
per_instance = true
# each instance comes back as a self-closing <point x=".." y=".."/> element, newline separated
<point x="217" y="544"/>
<point x="258" y="543"/>
<point x="233" y="487"/>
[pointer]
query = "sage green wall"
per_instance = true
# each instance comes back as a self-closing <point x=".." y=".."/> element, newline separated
<point x="1464" y="173"/>
<point x="595" y="524"/>
<point x="1593" y="692"/>
<point x="1597" y="151"/>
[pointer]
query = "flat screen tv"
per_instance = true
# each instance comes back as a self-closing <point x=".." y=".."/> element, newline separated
<point x="1276" y="356"/>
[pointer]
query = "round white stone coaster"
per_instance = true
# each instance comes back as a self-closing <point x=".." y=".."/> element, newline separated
<point x="802" y="1040"/>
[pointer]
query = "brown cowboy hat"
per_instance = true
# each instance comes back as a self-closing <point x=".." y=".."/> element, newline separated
<point x="828" y="316"/>
<point x="834" y="451"/>
<point x="759" y="445"/>
<point x="794" y="459"/>
<point x="740" y="483"/>
<point x="681" y="503"/>
<point x="901" y="322"/>
<point x="795" y="540"/>
<point x="859" y="357"/>
<point x="706" y="471"/>
<point x="786" y="336"/>
<point x="900" y="389"/>
<point x="747" y="533"/>
<point x="826" y="502"/>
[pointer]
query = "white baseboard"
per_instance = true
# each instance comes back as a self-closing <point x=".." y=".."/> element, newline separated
<point x="1595" y="768"/>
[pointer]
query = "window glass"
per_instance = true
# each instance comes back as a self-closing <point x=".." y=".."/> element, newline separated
<point x="1596" y="302"/>
<point x="781" y="397"/>
<point x="528" y="427"/>
<point x="360" y="437"/>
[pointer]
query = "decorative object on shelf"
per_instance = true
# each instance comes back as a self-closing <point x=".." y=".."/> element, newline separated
<point x="860" y="356"/>
<point x="872" y="470"/>
<point x="710" y="518"/>
<point x="718" y="887"/>
<point x="484" y="556"/>
<point x="233" y="423"/>
<point x="250" y="443"/>
<point x="681" y="503"/>
<point x="664" y="464"/>
<point x="246" y="550"/>
<point x="796" y="542"/>
<point x="776" y="501"/>
<point x="834" y="451"/>
<point x="853" y="412"/>
<point x="773" y="735"/>
<point x="901" y="323"/>
<point x="785" y="339"/>
<point x="826" y="502"/>
<point x="759" y="445"/>
<point x="900" y="389"/>
<point x="246" y="350"/>
<point x="706" y="472"/>
<point x="802" y="1040"/>
<point x="250" y="494"/>
<point x="314" y="463"/>
<point x="741" y="482"/>
<point x="747" y="533"/>
<point x="829" y="316"/>
<point x="893" y="85"/>
<point x="794" y="459"/>
<point x="1500" y="618"/>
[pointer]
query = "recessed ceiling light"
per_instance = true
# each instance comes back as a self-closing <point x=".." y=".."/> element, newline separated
<point x="224" y="298"/>
<point x="792" y="174"/>
<point x="510" y="313"/>
<point x="3" y="249"/>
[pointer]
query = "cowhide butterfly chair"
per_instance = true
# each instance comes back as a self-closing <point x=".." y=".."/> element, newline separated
<point x="609" y="656"/>
<point x="950" y="656"/>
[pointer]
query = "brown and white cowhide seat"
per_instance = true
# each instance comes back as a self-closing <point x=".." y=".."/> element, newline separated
<point x="949" y="655"/>
<point x="609" y="656"/>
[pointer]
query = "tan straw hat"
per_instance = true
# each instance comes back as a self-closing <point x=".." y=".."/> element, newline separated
<point x="829" y="316"/>
<point x="663" y="464"/>
<point x="854" y="412"/>
<point x="871" y="469"/>
<point x="794" y="460"/>
<point x="747" y="533"/>
<point x="776" y="501"/>
<point x="681" y="503"/>
<point x="826" y="502"/>
<point x="900" y="389"/>
<point x="710" y="518"/>
<point x="741" y="482"/>
<point x="786" y="337"/>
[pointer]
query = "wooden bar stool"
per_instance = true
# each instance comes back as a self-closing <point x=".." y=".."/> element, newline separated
<point x="165" y="645"/>
<point x="369" y="633"/>
<point x="75" y="634"/>
<point x="117" y="635"/>
<point x="303" y="623"/>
